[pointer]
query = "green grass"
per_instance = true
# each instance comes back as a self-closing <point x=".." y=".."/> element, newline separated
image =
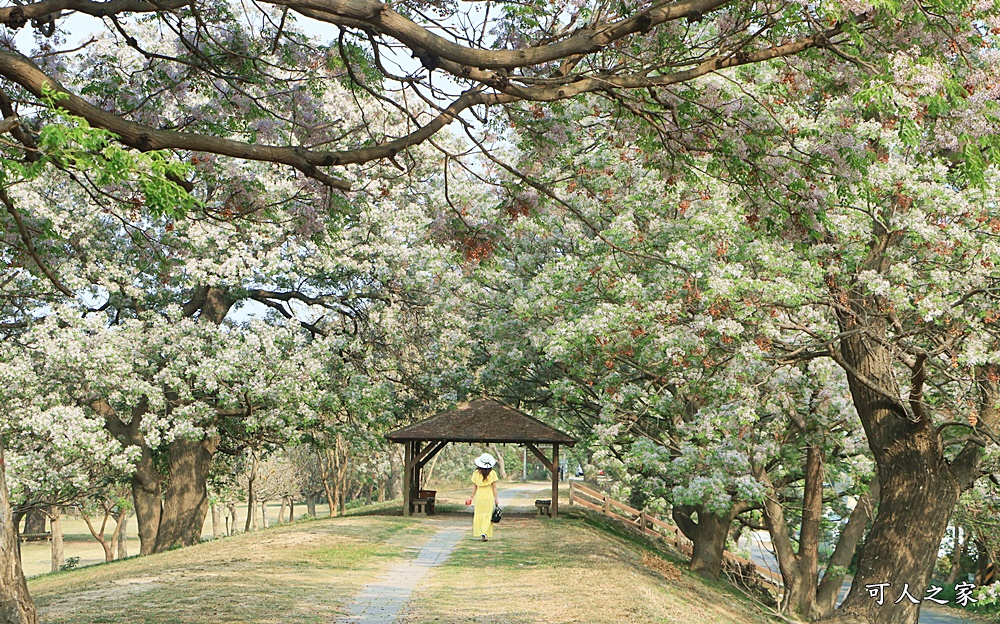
<point x="578" y="568"/>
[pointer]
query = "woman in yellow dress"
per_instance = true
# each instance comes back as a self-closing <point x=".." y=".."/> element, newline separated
<point x="484" y="496"/>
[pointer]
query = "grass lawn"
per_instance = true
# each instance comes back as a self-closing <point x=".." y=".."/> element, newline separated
<point x="36" y="557"/>
<point x="306" y="572"/>
<point x="570" y="570"/>
<point x="580" y="568"/>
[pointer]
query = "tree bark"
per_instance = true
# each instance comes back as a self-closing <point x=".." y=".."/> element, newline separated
<point x="807" y="563"/>
<point x="216" y="522"/>
<point x="16" y="606"/>
<point x="146" y="497"/>
<point x="58" y="550"/>
<point x="123" y="534"/>
<point x="501" y="468"/>
<point x="281" y="511"/>
<point x="709" y="535"/>
<point x="117" y="539"/>
<point x="185" y="503"/>
<point x="236" y="519"/>
<point x="251" y="515"/>
<point x="263" y="514"/>
<point x="919" y="489"/>
<point x="291" y="509"/>
<point x="311" y="505"/>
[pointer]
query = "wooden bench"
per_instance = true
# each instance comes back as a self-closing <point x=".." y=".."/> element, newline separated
<point x="544" y="507"/>
<point x="36" y="537"/>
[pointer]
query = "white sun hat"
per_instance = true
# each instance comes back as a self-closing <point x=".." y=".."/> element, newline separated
<point x="486" y="461"/>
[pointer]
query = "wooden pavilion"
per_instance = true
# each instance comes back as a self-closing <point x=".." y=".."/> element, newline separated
<point x="484" y="421"/>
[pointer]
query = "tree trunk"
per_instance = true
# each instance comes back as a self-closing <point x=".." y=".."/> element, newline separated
<point x="185" y="503"/>
<point x="501" y="469"/>
<point x="123" y="535"/>
<point x="807" y="564"/>
<point x="146" y="497"/>
<point x="236" y="519"/>
<point x="291" y="509"/>
<point x="956" y="555"/>
<point x="16" y="606"/>
<point x="324" y="470"/>
<point x="311" y="505"/>
<point x="216" y="521"/>
<point x="709" y="535"/>
<point x="263" y="514"/>
<point x="58" y="550"/>
<point x="121" y="520"/>
<point x="919" y="489"/>
<point x="99" y="534"/>
<point x="34" y="523"/>
<point x="395" y="478"/>
<point x="281" y="512"/>
<point x="847" y="543"/>
<point x="251" y="501"/>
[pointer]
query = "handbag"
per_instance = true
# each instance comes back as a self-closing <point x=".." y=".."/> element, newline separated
<point x="497" y="514"/>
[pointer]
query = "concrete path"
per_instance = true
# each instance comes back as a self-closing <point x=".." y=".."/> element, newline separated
<point x="383" y="601"/>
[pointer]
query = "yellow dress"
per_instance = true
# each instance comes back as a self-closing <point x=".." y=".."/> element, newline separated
<point x="482" y="520"/>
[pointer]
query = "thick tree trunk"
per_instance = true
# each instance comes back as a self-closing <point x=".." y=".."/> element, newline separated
<point x="291" y="509"/>
<point x="311" y="506"/>
<point x="902" y="547"/>
<point x="263" y="514"/>
<point x="918" y="487"/>
<point x="16" y="606"/>
<point x="709" y="535"/>
<point x="281" y="511"/>
<point x="185" y="503"/>
<point x="34" y="523"/>
<point x="146" y="497"/>
<point x="58" y="550"/>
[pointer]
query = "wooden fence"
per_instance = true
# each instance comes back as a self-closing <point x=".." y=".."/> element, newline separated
<point x="654" y="526"/>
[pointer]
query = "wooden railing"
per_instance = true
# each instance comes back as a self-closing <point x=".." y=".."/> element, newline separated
<point x="653" y="526"/>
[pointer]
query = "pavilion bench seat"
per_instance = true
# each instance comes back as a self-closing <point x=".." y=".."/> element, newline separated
<point x="422" y="506"/>
<point x="36" y="537"/>
<point x="544" y="507"/>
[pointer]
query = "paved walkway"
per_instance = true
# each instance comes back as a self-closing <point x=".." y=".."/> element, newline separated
<point x="383" y="601"/>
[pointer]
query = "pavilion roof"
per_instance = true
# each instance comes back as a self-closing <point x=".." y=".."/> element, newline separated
<point x="485" y="421"/>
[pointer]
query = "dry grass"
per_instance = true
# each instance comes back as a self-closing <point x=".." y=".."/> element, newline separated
<point x="539" y="570"/>
<point x="307" y="572"/>
<point x="36" y="557"/>
<point x="567" y="570"/>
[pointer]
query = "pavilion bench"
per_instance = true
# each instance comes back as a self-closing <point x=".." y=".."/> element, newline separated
<point x="544" y="507"/>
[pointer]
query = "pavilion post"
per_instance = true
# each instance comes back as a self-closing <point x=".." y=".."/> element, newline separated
<point x="554" y="509"/>
<point x="407" y="478"/>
